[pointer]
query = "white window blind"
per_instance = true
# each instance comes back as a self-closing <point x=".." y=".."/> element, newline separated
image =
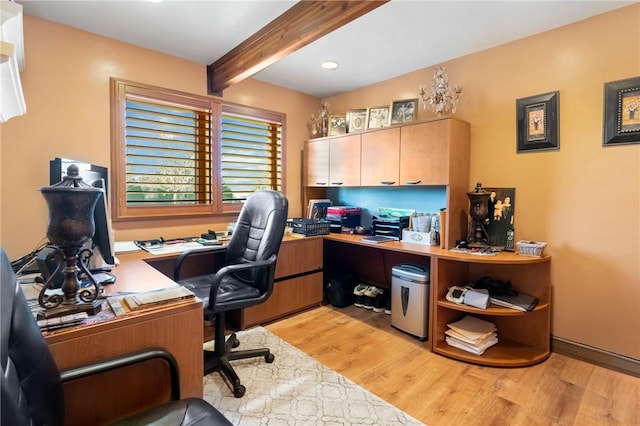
<point x="251" y="156"/>
<point x="168" y="154"/>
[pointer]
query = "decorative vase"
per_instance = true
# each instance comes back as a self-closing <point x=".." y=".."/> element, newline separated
<point x="479" y="212"/>
<point x="71" y="204"/>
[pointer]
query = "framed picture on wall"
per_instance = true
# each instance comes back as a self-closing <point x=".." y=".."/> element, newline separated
<point x="538" y="124"/>
<point x="404" y="111"/>
<point x="356" y="120"/>
<point x="621" y="122"/>
<point x="378" y="117"/>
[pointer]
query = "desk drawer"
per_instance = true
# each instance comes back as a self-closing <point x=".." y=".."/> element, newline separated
<point x="288" y="297"/>
<point x="298" y="256"/>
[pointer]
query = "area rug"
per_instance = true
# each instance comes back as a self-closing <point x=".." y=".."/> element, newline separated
<point x="295" y="390"/>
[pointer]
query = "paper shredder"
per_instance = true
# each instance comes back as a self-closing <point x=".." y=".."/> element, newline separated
<point x="410" y="299"/>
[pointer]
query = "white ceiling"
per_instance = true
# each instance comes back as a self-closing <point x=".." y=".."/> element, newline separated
<point x="396" y="38"/>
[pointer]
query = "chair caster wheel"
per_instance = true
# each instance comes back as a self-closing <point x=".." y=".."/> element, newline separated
<point x="239" y="390"/>
<point x="269" y="358"/>
<point x="236" y="343"/>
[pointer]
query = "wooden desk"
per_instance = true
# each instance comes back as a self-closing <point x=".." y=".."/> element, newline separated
<point x="523" y="337"/>
<point x="177" y="329"/>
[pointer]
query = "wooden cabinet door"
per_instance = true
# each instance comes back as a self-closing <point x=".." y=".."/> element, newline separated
<point x="424" y="153"/>
<point x="316" y="161"/>
<point x="381" y="158"/>
<point x="344" y="161"/>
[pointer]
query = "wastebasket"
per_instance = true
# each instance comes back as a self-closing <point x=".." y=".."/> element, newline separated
<point x="410" y="299"/>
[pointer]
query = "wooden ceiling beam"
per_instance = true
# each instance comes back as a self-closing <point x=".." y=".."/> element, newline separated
<point x="299" y="26"/>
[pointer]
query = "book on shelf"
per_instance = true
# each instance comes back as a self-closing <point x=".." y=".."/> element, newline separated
<point x="521" y="302"/>
<point x="317" y="208"/>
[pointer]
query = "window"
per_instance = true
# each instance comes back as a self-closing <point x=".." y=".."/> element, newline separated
<point x="181" y="154"/>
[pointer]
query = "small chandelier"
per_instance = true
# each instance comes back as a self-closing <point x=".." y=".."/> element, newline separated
<point x="441" y="98"/>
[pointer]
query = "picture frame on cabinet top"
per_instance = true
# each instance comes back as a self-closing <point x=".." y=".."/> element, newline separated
<point x="378" y="117"/>
<point x="621" y="116"/>
<point x="538" y="123"/>
<point x="337" y="125"/>
<point x="404" y="111"/>
<point x="356" y="120"/>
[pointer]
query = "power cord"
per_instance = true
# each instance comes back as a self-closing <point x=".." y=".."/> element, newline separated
<point x="20" y="263"/>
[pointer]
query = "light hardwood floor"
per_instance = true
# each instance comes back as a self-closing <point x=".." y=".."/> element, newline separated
<point x="362" y="345"/>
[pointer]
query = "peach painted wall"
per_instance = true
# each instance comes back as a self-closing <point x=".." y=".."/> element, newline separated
<point x="66" y="87"/>
<point x="583" y="200"/>
<point x="594" y="244"/>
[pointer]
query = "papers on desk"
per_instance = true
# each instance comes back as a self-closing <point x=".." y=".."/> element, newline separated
<point x="173" y="248"/>
<point x="471" y="334"/>
<point x="122" y="305"/>
<point x="125" y="247"/>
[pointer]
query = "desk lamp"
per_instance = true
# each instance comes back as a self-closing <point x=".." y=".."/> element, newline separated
<point x="71" y="204"/>
<point x="479" y="212"/>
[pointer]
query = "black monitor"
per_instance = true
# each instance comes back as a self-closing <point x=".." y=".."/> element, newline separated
<point x="95" y="176"/>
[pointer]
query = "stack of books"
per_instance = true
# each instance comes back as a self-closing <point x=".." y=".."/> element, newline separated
<point x="122" y="305"/>
<point x="471" y="334"/>
<point x="520" y="302"/>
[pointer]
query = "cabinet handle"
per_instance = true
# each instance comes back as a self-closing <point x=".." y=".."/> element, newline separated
<point x="336" y="183"/>
<point x="388" y="182"/>
<point x="412" y="182"/>
<point x="321" y="183"/>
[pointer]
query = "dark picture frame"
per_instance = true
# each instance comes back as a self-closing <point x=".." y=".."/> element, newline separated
<point x="404" y="111"/>
<point x="356" y="120"/>
<point x="501" y="220"/>
<point x="538" y="122"/>
<point x="621" y="120"/>
<point x="337" y="125"/>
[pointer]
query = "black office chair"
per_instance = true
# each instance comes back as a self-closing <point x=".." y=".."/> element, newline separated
<point x="245" y="280"/>
<point x="31" y="384"/>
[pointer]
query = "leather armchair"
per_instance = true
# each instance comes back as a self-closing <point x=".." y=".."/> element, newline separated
<point x="245" y="280"/>
<point x="31" y="384"/>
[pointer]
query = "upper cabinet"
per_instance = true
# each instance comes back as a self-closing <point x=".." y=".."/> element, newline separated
<point x="428" y="153"/>
<point x="434" y="152"/>
<point x="381" y="158"/>
<point x="332" y="161"/>
<point x="316" y="161"/>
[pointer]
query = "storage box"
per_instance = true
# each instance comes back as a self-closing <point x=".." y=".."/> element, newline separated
<point x="309" y="227"/>
<point x="531" y="248"/>
<point x="416" y="237"/>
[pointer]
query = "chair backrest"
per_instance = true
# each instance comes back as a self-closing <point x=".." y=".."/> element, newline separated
<point x="30" y="383"/>
<point x="258" y="231"/>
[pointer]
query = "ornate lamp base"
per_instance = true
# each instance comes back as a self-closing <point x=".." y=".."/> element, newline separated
<point x="73" y="299"/>
<point x="91" y="308"/>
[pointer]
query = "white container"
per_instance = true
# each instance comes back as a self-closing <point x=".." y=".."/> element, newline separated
<point x="415" y="237"/>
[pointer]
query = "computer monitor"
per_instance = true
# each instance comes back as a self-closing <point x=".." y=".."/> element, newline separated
<point x="96" y="176"/>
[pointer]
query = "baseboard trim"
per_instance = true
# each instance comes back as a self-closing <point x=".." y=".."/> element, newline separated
<point x="596" y="356"/>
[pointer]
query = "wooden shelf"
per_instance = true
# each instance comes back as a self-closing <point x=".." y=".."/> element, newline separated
<point x="523" y="337"/>
<point x="506" y="353"/>
<point x="491" y="310"/>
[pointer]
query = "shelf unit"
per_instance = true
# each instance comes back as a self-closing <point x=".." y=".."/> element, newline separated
<point x="523" y="337"/>
<point x="430" y="153"/>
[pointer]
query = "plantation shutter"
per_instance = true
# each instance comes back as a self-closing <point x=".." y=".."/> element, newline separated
<point x="168" y="153"/>
<point x="251" y="156"/>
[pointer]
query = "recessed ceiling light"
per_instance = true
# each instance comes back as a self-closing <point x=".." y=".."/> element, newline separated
<point x="330" y="65"/>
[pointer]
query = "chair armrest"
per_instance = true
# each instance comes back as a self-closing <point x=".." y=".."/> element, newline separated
<point x="127" y="360"/>
<point x="177" y="266"/>
<point x="238" y="267"/>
